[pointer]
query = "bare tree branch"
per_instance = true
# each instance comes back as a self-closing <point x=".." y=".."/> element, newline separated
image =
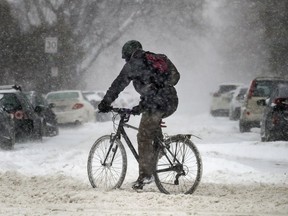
<point x="115" y="37"/>
<point x="40" y="13"/>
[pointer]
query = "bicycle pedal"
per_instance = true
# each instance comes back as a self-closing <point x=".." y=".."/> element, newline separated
<point x="138" y="187"/>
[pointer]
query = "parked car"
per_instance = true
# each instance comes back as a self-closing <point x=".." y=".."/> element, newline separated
<point x="251" y="113"/>
<point x="237" y="102"/>
<point x="274" y="124"/>
<point x="27" y="121"/>
<point x="95" y="98"/>
<point x="71" y="106"/>
<point x="7" y="130"/>
<point x="221" y="99"/>
<point x="49" y="119"/>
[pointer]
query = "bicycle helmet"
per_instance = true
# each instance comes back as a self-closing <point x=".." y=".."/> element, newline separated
<point x="129" y="48"/>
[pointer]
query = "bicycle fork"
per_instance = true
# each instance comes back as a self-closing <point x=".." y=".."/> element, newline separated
<point x="111" y="149"/>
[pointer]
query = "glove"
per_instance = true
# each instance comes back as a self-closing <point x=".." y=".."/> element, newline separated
<point x="104" y="107"/>
<point x="136" y="110"/>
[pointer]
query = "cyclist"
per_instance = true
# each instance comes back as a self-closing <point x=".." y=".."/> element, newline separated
<point x="158" y="100"/>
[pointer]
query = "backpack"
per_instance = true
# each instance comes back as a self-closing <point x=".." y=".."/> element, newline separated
<point x="157" y="62"/>
<point x="165" y="73"/>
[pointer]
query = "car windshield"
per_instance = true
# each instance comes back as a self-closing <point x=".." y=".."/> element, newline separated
<point x="63" y="95"/>
<point x="263" y="88"/>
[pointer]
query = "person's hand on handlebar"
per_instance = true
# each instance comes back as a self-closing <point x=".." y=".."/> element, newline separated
<point x="136" y="110"/>
<point x="104" y="107"/>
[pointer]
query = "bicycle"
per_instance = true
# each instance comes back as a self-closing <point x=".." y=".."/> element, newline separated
<point x="178" y="168"/>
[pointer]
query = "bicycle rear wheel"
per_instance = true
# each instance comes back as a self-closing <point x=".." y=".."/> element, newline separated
<point x="179" y="167"/>
<point x="107" y="168"/>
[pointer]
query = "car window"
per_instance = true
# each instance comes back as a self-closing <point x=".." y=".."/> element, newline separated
<point x="243" y="91"/>
<point x="262" y="88"/>
<point x="101" y="94"/>
<point x="226" y="88"/>
<point x="10" y="100"/>
<point x="26" y="104"/>
<point x="63" y="95"/>
<point x="85" y="98"/>
<point x="283" y="91"/>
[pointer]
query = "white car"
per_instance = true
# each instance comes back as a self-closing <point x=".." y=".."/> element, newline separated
<point x="124" y="100"/>
<point x="95" y="97"/>
<point x="221" y="99"/>
<point x="237" y="102"/>
<point x="71" y="106"/>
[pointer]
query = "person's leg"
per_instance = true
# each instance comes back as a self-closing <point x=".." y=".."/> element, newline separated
<point x="148" y="129"/>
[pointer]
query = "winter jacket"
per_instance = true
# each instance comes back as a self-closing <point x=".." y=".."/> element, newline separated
<point x="157" y="92"/>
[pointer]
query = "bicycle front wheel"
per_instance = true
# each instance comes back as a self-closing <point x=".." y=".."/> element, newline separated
<point x="107" y="163"/>
<point x="179" y="167"/>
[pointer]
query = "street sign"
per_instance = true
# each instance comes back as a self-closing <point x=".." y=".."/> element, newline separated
<point x="54" y="71"/>
<point x="51" y="44"/>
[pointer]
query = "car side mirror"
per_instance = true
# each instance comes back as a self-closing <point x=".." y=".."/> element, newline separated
<point x="261" y="102"/>
<point x="38" y="109"/>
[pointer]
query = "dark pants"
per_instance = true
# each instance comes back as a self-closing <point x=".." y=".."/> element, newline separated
<point x="149" y="130"/>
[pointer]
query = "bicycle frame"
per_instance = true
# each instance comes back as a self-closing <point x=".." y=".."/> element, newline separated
<point x="121" y="132"/>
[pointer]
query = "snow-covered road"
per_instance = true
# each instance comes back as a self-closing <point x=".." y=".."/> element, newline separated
<point x="241" y="175"/>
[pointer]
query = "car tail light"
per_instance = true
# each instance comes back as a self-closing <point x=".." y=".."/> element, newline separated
<point x="78" y="106"/>
<point x="251" y="89"/>
<point x="275" y="119"/>
<point x="282" y="101"/>
<point x="19" y="115"/>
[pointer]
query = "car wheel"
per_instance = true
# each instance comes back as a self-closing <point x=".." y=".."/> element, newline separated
<point x="244" y="127"/>
<point x="38" y="134"/>
<point x="232" y="116"/>
<point x="214" y="113"/>
<point x="77" y="123"/>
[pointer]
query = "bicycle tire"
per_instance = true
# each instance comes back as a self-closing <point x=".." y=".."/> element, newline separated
<point x="185" y="151"/>
<point x="109" y="176"/>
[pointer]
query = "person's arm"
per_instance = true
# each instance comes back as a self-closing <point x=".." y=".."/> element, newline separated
<point x="118" y="85"/>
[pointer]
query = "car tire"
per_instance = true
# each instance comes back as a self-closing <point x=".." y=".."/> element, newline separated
<point x="38" y="135"/>
<point x="232" y="116"/>
<point x="244" y="127"/>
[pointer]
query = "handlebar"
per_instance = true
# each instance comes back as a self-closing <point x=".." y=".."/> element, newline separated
<point x="122" y="110"/>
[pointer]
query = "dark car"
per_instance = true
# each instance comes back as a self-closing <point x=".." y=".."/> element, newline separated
<point x="49" y="119"/>
<point x="274" y="124"/>
<point x="7" y="132"/>
<point x="260" y="88"/>
<point x="28" y="124"/>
